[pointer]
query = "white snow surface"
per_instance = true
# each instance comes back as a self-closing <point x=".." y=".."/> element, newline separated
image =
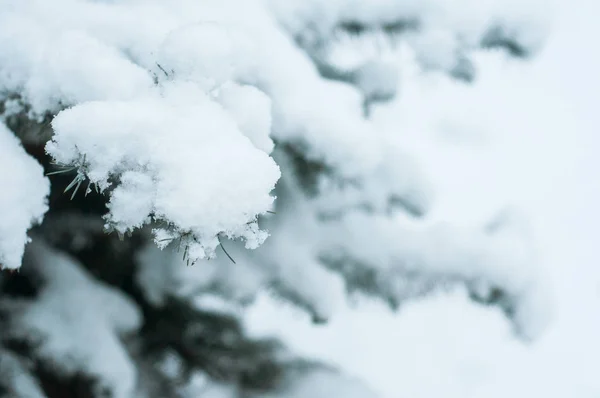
<point x="23" y="202"/>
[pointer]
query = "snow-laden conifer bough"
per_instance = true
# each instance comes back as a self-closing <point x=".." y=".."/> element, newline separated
<point x="193" y="128"/>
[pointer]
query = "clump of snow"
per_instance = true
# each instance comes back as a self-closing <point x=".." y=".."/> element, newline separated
<point x="75" y="323"/>
<point x="179" y="156"/>
<point x="298" y="276"/>
<point x="74" y="67"/>
<point x="135" y="187"/>
<point x="441" y="32"/>
<point x="23" y="202"/>
<point x="433" y="255"/>
<point x="398" y="182"/>
<point x="70" y="59"/>
<point x="51" y="69"/>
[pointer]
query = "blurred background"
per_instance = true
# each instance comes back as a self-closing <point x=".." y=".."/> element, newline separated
<point x="532" y="140"/>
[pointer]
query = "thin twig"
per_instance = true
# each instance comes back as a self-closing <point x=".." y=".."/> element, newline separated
<point x="225" y="251"/>
<point x="185" y="252"/>
<point x="162" y="69"/>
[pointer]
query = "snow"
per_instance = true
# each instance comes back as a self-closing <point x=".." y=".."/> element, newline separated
<point x="163" y="273"/>
<point x="192" y="62"/>
<point x="149" y="89"/>
<point x="23" y="203"/>
<point x="209" y="53"/>
<point x="75" y="71"/>
<point x="444" y="30"/>
<point x="197" y="172"/>
<point x="440" y="254"/>
<point x="173" y="110"/>
<point x="144" y="145"/>
<point x="75" y="323"/>
<point x="170" y="38"/>
<point x="251" y="109"/>
<point x="524" y="135"/>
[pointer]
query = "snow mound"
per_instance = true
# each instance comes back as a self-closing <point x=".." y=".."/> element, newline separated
<point x="23" y="203"/>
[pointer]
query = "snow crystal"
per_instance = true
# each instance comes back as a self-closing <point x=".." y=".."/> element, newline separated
<point x="23" y="201"/>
